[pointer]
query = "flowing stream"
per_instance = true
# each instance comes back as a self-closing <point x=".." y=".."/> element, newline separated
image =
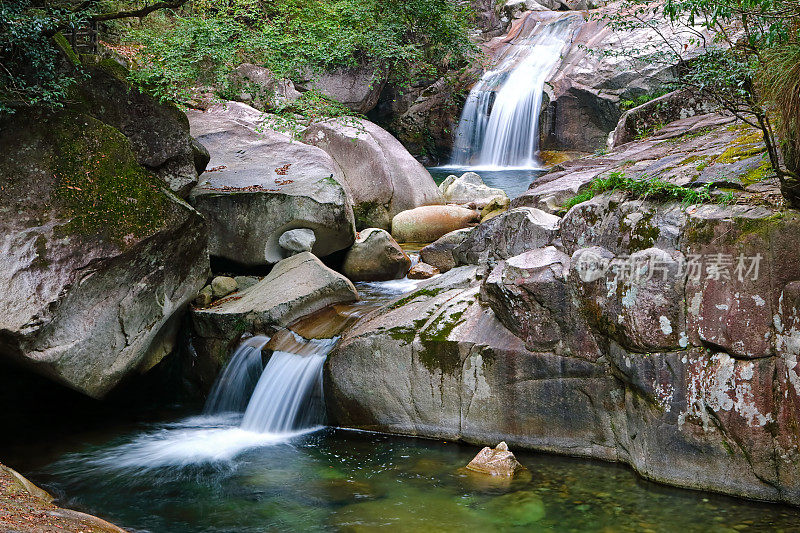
<point x="499" y="126"/>
<point x="259" y="459"/>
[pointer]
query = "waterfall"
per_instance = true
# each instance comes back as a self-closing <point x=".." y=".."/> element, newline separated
<point x="288" y="396"/>
<point x="499" y="126"/>
<point x="232" y="390"/>
<point x="282" y="397"/>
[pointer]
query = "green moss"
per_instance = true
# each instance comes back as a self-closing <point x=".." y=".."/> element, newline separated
<point x="761" y="172"/>
<point x="440" y="355"/>
<point x="643" y="234"/>
<point x="329" y="180"/>
<point x="762" y="226"/>
<point x="40" y="245"/>
<point x="414" y="295"/>
<point x="100" y="183"/>
<point x="745" y="146"/>
<point x="364" y="212"/>
<point x="401" y="333"/>
<point x="64" y="46"/>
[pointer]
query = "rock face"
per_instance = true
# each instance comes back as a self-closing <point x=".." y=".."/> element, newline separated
<point x="296" y="286"/>
<point x="264" y="184"/>
<point x="507" y="235"/>
<point x="375" y="256"/>
<point x="659" y="335"/>
<point x="495" y="462"/>
<point x="469" y="187"/>
<point x="259" y="87"/>
<point x="425" y="117"/>
<point x="357" y="88"/>
<point x="158" y="132"/>
<point x="98" y="260"/>
<point x="381" y="177"/>
<point x="585" y="91"/>
<point x="428" y="223"/>
<point x="693" y="151"/>
<point x="650" y="116"/>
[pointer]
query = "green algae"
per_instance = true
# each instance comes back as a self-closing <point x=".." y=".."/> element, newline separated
<point x="100" y="184"/>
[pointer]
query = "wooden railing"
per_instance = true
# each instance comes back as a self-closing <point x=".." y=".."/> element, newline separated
<point x="84" y="39"/>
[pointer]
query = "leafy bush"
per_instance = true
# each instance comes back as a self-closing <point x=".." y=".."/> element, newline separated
<point x="403" y="40"/>
<point x="649" y="189"/>
<point x="740" y="54"/>
<point x="30" y="73"/>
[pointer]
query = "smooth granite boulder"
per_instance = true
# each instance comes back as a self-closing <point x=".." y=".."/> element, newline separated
<point x="263" y="184"/>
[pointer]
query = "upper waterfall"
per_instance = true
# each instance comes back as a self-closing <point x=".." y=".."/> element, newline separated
<point x="499" y="126"/>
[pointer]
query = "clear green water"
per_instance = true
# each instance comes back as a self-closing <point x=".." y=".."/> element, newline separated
<point x="338" y="480"/>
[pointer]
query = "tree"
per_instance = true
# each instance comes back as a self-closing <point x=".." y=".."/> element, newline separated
<point x="742" y="55"/>
<point x="31" y="65"/>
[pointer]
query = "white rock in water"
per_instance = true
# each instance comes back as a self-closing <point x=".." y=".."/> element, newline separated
<point x="497" y="462"/>
<point x="468" y="188"/>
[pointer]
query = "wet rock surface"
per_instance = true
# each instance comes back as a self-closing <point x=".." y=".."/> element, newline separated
<point x="630" y="330"/>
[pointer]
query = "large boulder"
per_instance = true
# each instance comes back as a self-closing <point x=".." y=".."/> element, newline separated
<point x="375" y="256"/>
<point x="356" y="88"/>
<point x="296" y="287"/>
<point x="263" y="184"/>
<point x="158" y="132"/>
<point x="260" y="88"/>
<point x="381" y="177"/>
<point x="438" y="363"/>
<point x="98" y="259"/>
<point x="530" y="295"/>
<point x="428" y="223"/>
<point x="440" y="253"/>
<point x="469" y="187"/>
<point x="506" y="235"/>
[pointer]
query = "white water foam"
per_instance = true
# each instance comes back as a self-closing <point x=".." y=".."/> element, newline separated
<point x="499" y="126"/>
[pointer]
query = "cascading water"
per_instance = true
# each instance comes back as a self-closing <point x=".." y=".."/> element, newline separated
<point x="289" y="394"/>
<point x="233" y="388"/>
<point x="499" y="127"/>
<point x="285" y="395"/>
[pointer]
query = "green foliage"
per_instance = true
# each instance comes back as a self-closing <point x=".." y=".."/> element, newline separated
<point x="627" y="105"/>
<point x="401" y="40"/>
<point x="177" y="53"/>
<point x="30" y="62"/>
<point x="649" y="189"/>
<point x="740" y="54"/>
